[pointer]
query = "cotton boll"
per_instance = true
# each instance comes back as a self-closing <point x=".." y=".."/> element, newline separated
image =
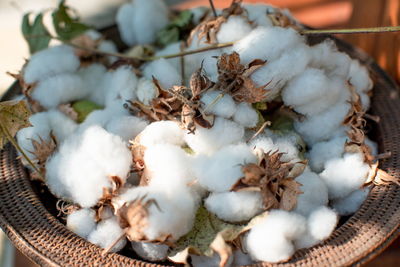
<point x="323" y="151"/>
<point x="81" y="222"/>
<point x="284" y="144"/>
<point x="321" y="127"/>
<point x="258" y="13"/>
<point x="271" y="239"/>
<point x="58" y="89"/>
<point x="235" y="206"/>
<point x="127" y="127"/>
<point x="315" y="193"/>
<point x="204" y="261"/>
<point x="120" y="85"/>
<point x="149" y="17"/>
<point x="276" y="73"/>
<point x="124" y="23"/>
<point x="266" y="43"/>
<point x="168" y="166"/>
<point x="146" y="91"/>
<point x="106" y="233"/>
<point x="164" y="72"/>
<point x="322" y="222"/>
<point x="207" y="59"/>
<point x="221" y="171"/>
<point x="108" y="47"/>
<point x="359" y="77"/>
<point x="162" y="132"/>
<point x="235" y="28"/>
<point x="150" y="251"/>
<point x="223" y="132"/>
<point x="308" y="87"/>
<point x="345" y="175"/>
<point x="245" y="115"/>
<point x="225" y="107"/>
<point x="171" y="49"/>
<point x="351" y="203"/>
<point x="102" y="116"/>
<point x="84" y="164"/>
<point x="49" y="62"/>
<point x="92" y="76"/>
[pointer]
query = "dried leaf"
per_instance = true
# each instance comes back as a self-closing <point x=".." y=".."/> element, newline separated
<point x="68" y="110"/>
<point x="378" y="176"/>
<point x="14" y="115"/>
<point x="199" y="83"/>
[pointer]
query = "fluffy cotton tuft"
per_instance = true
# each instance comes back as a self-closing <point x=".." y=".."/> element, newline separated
<point x="92" y="78"/>
<point x="315" y="193"/>
<point x="49" y="62"/>
<point x="258" y="13"/>
<point x="271" y="239"/>
<point x="146" y="91"/>
<point x="106" y="233"/>
<point x="224" y="107"/>
<point x="150" y="251"/>
<point x="124" y="22"/>
<point x="235" y="206"/>
<point x="245" y="115"/>
<point x="207" y="141"/>
<point x="322" y="222"/>
<point x="82" y="222"/>
<point x="127" y="127"/>
<point x="235" y="28"/>
<point x="82" y="167"/>
<point x="59" y="89"/>
<point x="345" y="175"/>
<point x="162" y="132"/>
<point x="164" y="72"/>
<point x="266" y="43"/>
<point x="219" y="172"/>
<point x="351" y="203"/>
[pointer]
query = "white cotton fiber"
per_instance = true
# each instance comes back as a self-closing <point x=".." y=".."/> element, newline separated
<point x="146" y="91"/>
<point x="284" y="144"/>
<point x="102" y="116"/>
<point x="271" y="239"/>
<point x="235" y="206"/>
<point x="108" y="46"/>
<point x="81" y="222"/>
<point x="223" y="132"/>
<point x="359" y="77"/>
<point x="208" y="59"/>
<point x="49" y="62"/>
<point x="308" y="88"/>
<point x="124" y="23"/>
<point x="119" y="85"/>
<point x="92" y="76"/>
<point x="277" y="72"/>
<point x="164" y="72"/>
<point x="106" y="233"/>
<point x="171" y="49"/>
<point x="219" y="172"/>
<point x="162" y="132"/>
<point x="258" y="13"/>
<point x="173" y="215"/>
<point x="345" y="175"/>
<point x="139" y="21"/>
<point x="323" y="151"/>
<point x="224" y="107"/>
<point x="246" y="115"/>
<point x="127" y="127"/>
<point x="235" y="28"/>
<point x="168" y="166"/>
<point x="322" y="222"/>
<point x="59" y="89"/>
<point x="351" y="203"/>
<point x="321" y="127"/>
<point x="84" y="164"/>
<point x="315" y="193"/>
<point x="44" y="123"/>
<point x="266" y="43"/>
<point x="150" y="251"/>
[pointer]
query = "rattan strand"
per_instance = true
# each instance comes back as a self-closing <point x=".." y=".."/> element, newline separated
<point x="41" y="237"/>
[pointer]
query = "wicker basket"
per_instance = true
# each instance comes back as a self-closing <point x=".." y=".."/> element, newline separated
<point x="29" y="219"/>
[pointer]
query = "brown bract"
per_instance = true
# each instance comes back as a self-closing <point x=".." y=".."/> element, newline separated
<point x="42" y="150"/>
<point x="274" y="179"/>
<point x="234" y="78"/>
<point x="108" y="194"/>
<point x="68" y="111"/>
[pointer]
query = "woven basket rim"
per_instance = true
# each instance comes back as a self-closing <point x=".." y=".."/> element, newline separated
<point x="49" y="243"/>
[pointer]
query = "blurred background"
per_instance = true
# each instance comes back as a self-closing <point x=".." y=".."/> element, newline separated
<point x="324" y="14"/>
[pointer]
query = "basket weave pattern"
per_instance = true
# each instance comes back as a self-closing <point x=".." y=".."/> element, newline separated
<point x="40" y="236"/>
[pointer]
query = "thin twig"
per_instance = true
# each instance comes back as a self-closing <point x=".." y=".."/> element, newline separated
<point x="353" y="31"/>
<point x="182" y="63"/>
<point x="259" y="131"/>
<point x="17" y="147"/>
<point x="213" y="8"/>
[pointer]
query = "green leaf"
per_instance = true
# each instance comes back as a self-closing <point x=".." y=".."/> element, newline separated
<point x="281" y="122"/>
<point x="84" y="108"/>
<point x="67" y="27"/>
<point x="168" y="36"/>
<point x="36" y="34"/>
<point x="14" y="115"/>
<point x="183" y="19"/>
<point x="260" y="106"/>
<point x="176" y="29"/>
